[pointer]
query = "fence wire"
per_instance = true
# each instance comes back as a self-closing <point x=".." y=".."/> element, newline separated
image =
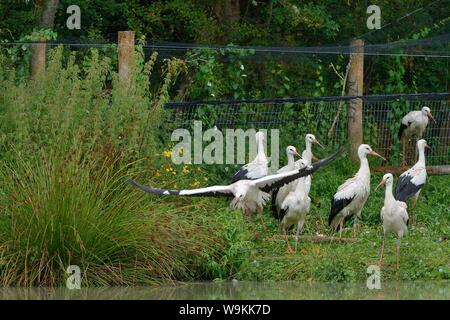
<point x="326" y="117"/>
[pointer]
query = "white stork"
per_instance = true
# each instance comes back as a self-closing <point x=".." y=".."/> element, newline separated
<point x="248" y="195"/>
<point x="291" y="151"/>
<point x="295" y="207"/>
<point x="351" y="196"/>
<point x="307" y="155"/>
<point x="258" y="168"/>
<point x="413" y="126"/>
<point x="410" y="182"/>
<point x="394" y="216"/>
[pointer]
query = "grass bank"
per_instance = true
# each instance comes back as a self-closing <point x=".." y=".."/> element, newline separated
<point x="425" y="251"/>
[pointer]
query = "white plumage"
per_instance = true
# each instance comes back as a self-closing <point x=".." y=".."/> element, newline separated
<point x="410" y="182"/>
<point x="414" y="123"/>
<point x="291" y="151"/>
<point x="394" y="216"/>
<point x="413" y="126"/>
<point x="257" y="168"/>
<point x="351" y="196"/>
<point x="295" y="207"/>
<point x="307" y="155"/>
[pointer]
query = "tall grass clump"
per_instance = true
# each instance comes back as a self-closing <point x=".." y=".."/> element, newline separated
<point x="67" y="144"/>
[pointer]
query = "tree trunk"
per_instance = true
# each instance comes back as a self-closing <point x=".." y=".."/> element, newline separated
<point x="37" y="63"/>
<point x="47" y="12"/>
<point x="355" y="83"/>
<point x="227" y="11"/>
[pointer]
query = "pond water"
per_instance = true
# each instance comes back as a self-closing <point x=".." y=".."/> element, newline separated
<point x="243" y="290"/>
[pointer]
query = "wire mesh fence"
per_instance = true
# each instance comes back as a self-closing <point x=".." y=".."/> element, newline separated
<point x="326" y="118"/>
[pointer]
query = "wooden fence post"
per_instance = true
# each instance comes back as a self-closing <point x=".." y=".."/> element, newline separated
<point x="355" y="106"/>
<point x="37" y="62"/>
<point x="126" y="53"/>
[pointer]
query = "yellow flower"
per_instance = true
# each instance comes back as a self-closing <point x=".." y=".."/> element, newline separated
<point x="196" y="184"/>
<point x="206" y="178"/>
<point x="185" y="169"/>
<point x="167" y="154"/>
<point x="316" y="250"/>
<point x="158" y="174"/>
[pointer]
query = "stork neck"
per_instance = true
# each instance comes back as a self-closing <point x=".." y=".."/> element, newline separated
<point x="389" y="197"/>
<point x="291" y="160"/>
<point x="261" y="154"/>
<point x="422" y="155"/>
<point x="364" y="166"/>
<point x="307" y="155"/>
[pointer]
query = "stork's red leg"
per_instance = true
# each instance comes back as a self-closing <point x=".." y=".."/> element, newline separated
<point x="382" y="252"/>
<point x="263" y="225"/>
<point x="249" y="218"/>
<point x="289" y="249"/>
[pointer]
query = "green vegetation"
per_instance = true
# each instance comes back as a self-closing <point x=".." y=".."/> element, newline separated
<point x="217" y="74"/>
<point x="70" y="138"/>
<point x="67" y="147"/>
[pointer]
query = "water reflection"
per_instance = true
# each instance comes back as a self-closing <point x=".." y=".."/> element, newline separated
<point x="243" y="290"/>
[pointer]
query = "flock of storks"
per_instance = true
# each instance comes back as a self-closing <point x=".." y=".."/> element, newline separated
<point x="252" y="186"/>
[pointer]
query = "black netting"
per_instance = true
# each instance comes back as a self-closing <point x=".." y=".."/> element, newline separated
<point x="326" y="117"/>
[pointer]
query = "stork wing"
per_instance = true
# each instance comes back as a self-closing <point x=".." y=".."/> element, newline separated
<point x="403" y="212"/>
<point x="251" y="171"/>
<point x="278" y="180"/>
<point x="406" y="122"/>
<point x="240" y="174"/>
<point x="409" y="183"/>
<point x="214" y="191"/>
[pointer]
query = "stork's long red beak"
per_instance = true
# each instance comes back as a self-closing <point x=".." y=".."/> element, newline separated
<point x="314" y="158"/>
<point x="431" y="116"/>
<point x="427" y="146"/>
<point x="377" y="155"/>
<point x="297" y="154"/>
<point x="381" y="184"/>
<point x="315" y="141"/>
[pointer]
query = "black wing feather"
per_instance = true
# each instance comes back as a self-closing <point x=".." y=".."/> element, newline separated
<point x="159" y="192"/>
<point x="405" y="188"/>
<point x="282" y="213"/>
<point x="336" y="206"/>
<point x="274" y="203"/>
<point x="303" y="172"/>
<point x="165" y="192"/>
<point x="402" y="129"/>
<point x="240" y="175"/>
